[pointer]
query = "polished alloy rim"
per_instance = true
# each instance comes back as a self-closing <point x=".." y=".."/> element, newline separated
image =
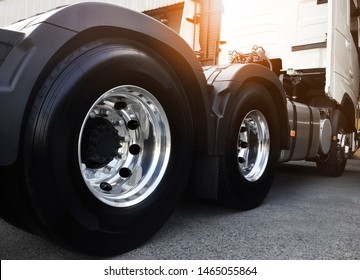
<point x="253" y="145"/>
<point x="124" y="146"/>
<point x="343" y="146"/>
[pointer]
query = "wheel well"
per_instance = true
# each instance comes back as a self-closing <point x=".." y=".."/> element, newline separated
<point x="235" y="76"/>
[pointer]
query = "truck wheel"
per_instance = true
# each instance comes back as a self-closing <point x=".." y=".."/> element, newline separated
<point x="252" y="148"/>
<point x="106" y="156"/>
<point x="334" y="163"/>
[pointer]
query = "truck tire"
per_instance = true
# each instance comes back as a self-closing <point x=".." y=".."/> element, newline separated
<point x="105" y="156"/>
<point x="334" y="163"/>
<point x="252" y="148"/>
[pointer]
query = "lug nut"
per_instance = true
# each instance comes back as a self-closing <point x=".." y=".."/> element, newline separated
<point x="118" y="122"/>
<point x="105" y="113"/>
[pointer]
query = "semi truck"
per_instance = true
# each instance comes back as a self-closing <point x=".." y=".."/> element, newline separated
<point x="107" y="116"/>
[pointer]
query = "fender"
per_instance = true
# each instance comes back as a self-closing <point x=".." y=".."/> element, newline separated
<point x="30" y="49"/>
<point x="222" y="82"/>
<point x="227" y="80"/>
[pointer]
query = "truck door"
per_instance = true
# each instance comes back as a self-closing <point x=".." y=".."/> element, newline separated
<point x="342" y="70"/>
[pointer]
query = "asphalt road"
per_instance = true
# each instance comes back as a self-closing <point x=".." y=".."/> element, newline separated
<point x="305" y="216"/>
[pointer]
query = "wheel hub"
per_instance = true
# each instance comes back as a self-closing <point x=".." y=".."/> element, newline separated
<point x="100" y="143"/>
<point x="253" y="146"/>
<point x="124" y="146"/>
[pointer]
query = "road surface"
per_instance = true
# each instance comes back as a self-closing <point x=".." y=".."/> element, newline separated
<point x="305" y="216"/>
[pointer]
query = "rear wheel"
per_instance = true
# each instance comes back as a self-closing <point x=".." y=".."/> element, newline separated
<point x="334" y="163"/>
<point x="106" y="156"/>
<point x="252" y="148"/>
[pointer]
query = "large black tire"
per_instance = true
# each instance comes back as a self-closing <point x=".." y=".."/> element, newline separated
<point x="68" y="135"/>
<point x="252" y="137"/>
<point x="333" y="164"/>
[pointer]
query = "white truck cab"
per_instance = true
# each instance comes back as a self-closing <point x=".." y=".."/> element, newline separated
<point x="313" y="45"/>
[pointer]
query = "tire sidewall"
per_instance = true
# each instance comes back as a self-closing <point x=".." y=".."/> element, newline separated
<point x="61" y="196"/>
<point x="249" y="194"/>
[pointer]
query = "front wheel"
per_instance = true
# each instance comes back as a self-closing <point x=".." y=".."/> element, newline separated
<point x="106" y="157"/>
<point x="252" y="148"/>
<point x="124" y="146"/>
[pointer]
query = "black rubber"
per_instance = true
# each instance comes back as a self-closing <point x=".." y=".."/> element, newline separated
<point x="54" y="196"/>
<point x="235" y="190"/>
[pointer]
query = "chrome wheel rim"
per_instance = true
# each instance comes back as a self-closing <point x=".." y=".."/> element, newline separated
<point x="124" y="146"/>
<point x="253" y="146"/>
<point x="343" y="146"/>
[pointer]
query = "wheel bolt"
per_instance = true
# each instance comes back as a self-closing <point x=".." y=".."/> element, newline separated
<point x="118" y="122"/>
<point x="105" y="113"/>
<point x="105" y="186"/>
